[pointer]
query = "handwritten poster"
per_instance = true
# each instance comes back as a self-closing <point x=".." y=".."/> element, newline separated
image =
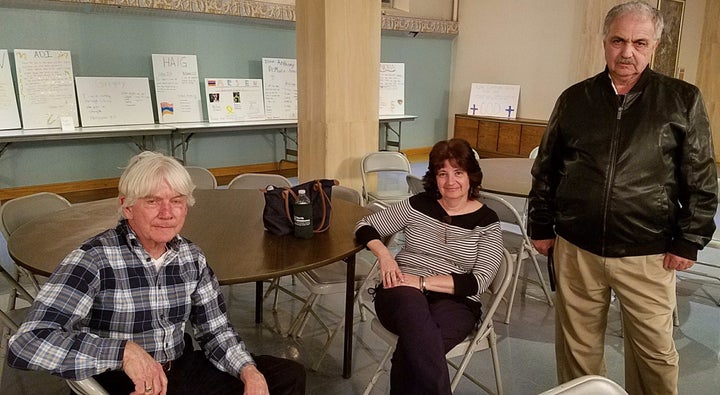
<point x="177" y="88"/>
<point x="9" y="116"/>
<point x="494" y="100"/>
<point x="45" y="87"/>
<point x="234" y="99"/>
<point x="106" y="101"/>
<point x="392" y="88"/>
<point x="280" y="85"/>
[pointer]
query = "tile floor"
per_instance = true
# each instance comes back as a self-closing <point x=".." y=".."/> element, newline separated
<point x="526" y="345"/>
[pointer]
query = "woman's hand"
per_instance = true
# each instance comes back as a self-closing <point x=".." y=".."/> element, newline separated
<point x="390" y="272"/>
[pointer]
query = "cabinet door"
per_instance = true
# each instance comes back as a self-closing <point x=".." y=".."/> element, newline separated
<point x="509" y="139"/>
<point x="467" y="129"/>
<point x="488" y="136"/>
<point x="531" y="136"/>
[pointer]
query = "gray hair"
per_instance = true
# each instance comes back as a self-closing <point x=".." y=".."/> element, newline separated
<point x="145" y="173"/>
<point x="635" y="7"/>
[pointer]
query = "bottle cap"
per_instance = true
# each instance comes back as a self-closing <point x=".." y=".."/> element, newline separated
<point x="302" y="191"/>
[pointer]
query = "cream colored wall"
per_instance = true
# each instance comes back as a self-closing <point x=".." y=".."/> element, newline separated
<point x="543" y="46"/>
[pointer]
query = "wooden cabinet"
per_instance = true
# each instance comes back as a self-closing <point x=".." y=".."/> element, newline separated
<point x="498" y="137"/>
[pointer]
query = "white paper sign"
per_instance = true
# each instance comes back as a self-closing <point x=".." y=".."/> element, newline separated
<point x="9" y="116"/>
<point x="280" y="83"/>
<point x="45" y="87"/>
<point x="177" y="88"/>
<point x="392" y="88"/>
<point x="494" y="100"/>
<point x="234" y="99"/>
<point x="106" y="101"/>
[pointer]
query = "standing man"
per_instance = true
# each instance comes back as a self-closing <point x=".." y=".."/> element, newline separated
<point x="625" y="190"/>
<point x="116" y="307"/>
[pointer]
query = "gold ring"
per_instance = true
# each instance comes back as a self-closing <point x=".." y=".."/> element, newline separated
<point x="148" y="389"/>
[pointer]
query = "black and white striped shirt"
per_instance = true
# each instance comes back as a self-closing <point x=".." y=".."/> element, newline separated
<point x="469" y="247"/>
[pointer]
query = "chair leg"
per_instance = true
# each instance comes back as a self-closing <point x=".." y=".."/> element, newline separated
<point x="518" y="267"/>
<point x="380" y="370"/>
<point x="496" y="362"/>
<point x="541" y="278"/>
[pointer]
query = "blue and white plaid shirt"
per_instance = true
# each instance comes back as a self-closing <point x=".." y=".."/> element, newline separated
<point x="107" y="292"/>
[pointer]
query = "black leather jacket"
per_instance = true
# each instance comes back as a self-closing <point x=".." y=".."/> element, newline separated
<point x="627" y="176"/>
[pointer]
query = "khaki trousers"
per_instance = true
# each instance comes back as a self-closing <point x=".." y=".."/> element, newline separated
<point x="646" y="292"/>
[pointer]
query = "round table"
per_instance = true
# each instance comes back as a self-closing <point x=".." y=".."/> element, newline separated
<point x="226" y="224"/>
<point x="507" y="176"/>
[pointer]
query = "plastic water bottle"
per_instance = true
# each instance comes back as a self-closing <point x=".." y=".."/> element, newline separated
<point x="302" y="213"/>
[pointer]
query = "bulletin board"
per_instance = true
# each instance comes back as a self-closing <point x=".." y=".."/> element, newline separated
<point x="494" y="100"/>
<point x="45" y="87"/>
<point x="280" y="88"/>
<point x="106" y="101"/>
<point x="9" y="115"/>
<point x="392" y="89"/>
<point x="177" y="88"/>
<point x="234" y="99"/>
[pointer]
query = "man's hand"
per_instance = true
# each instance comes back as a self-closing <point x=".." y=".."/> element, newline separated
<point x="543" y="246"/>
<point x="674" y="262"/>
<point x="254" y="381"/>
<point x="144" y="371"/>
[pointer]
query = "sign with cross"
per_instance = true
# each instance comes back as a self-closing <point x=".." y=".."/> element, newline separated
<point x="494" y="100"/>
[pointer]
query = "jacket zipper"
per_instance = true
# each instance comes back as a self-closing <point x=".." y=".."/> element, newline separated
<point x="611" y="170"/>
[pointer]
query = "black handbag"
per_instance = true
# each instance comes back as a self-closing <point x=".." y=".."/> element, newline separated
<point x="278" y="211"/>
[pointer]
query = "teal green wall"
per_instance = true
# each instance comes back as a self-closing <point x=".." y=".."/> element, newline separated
<point x="121" y="44"/>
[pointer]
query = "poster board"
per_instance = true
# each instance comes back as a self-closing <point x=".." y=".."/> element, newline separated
<point x="392" y="89"/>
<point x="280" y="87"/>
<point x="45" y="87"/>
<point x="494" y="100"/>
<point x="106" y="101"/>
<point x="177" y="88"/>
<point x="9" y="115"/>
<point x="234" y="99"/>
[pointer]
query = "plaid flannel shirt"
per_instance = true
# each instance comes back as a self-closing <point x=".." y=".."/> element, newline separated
<point x="107" y="292"/>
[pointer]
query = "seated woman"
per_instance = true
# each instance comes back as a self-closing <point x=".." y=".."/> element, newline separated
<point x="430" y="291"/>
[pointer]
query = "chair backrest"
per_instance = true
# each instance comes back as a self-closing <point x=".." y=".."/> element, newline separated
<point x="534" y="153"/>
<point x="384" y="161"/>
<point x="18" y="211"/>
<point x="587" y="385"/>
<point x="504" y="210"/>
<point x="415" y="184"/>
<point x="346" y="193"/>
<point x="202" y="177"/>
<point x="258" y="181"/>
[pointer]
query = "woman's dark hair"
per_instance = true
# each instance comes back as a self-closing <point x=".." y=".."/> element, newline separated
<point x="460" y="154"/>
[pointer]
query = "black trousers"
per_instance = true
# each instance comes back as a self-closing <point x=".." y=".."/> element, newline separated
<point x="193" y="373"/>
<point x="428" y="326"/>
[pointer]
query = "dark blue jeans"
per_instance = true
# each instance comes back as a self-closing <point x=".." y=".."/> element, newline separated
<point x="428" y="326"/>
<point x="192" y="373"/>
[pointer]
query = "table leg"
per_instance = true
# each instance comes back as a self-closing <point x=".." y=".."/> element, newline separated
<point x="349" y="310"/>
<point x="259" y="302"/>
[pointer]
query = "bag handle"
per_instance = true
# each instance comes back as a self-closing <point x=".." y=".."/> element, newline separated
<point x="325" y="201"/>
<point x="285" y="194"/>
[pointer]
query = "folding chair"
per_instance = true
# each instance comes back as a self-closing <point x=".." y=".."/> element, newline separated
<point x="391" y="169"/>
<point x="329" y="280"/>
<point x="517" y="243"/>
<point x="17" y="212"/>
<point x="483" y="338"/>
<point x="202" y="177"/>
